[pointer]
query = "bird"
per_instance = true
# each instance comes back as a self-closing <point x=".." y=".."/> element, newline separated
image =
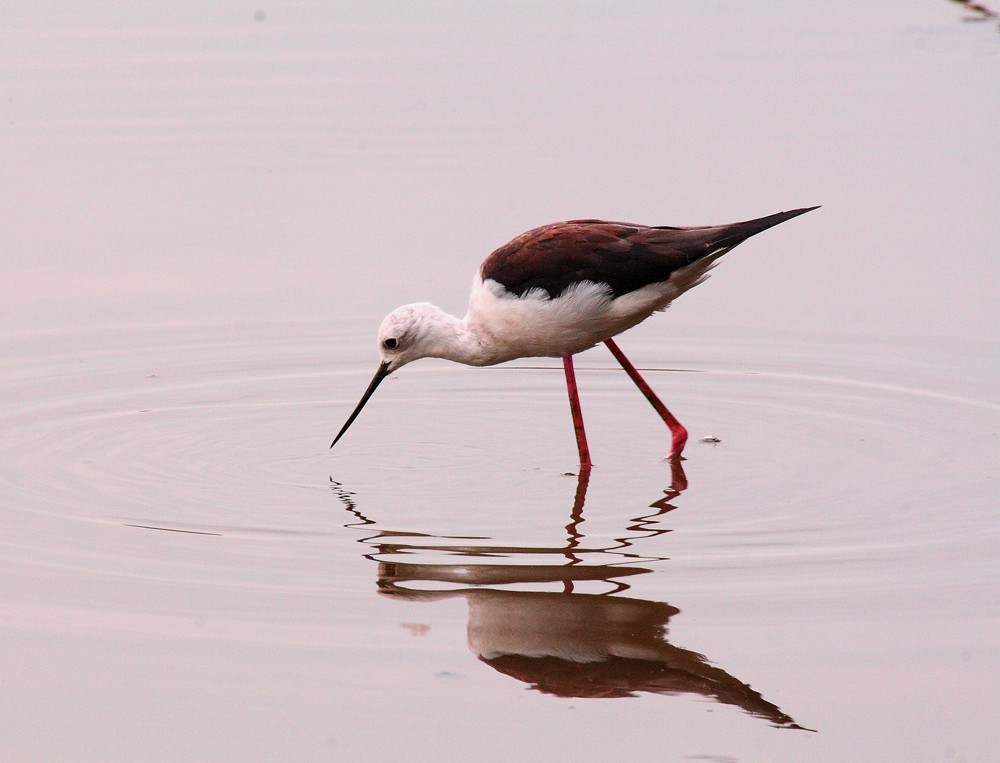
<point x="558" y="290"/>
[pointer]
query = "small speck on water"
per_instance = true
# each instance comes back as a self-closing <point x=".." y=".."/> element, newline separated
<point x="710" y="440"/>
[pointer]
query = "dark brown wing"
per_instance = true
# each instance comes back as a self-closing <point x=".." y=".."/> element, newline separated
<point x="624" y="256"/>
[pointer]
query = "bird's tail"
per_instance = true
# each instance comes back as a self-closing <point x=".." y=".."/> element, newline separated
<point x="736" y="233"/>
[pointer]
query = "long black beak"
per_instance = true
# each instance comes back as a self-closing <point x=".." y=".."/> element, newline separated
<point x="383" y="371"/>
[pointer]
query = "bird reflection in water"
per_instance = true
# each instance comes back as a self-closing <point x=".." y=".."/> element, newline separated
<point x="565" y="643"/>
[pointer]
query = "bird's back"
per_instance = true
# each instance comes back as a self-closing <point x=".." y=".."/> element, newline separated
<point x="624" y="256"/>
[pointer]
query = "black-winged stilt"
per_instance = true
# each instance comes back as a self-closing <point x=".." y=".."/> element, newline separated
<point x="561" y="289"/>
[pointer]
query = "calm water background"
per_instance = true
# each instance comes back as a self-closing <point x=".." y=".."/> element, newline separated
<point x="205" y="213"/>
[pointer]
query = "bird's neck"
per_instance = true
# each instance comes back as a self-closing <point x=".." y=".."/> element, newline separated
<point x="452" y="338"/>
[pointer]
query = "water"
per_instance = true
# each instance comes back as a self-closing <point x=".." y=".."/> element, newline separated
<point x="205" y="216"/>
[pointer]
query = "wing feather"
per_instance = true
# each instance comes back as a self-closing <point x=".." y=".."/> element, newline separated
<point x="624" y="256"/>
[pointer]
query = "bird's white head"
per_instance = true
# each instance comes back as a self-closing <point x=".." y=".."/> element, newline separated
<point x="409" y="333"/>
<point x="420" y="330"/>
<point x="401" y="336"/>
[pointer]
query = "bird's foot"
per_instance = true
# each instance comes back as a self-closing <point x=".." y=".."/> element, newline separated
<point x="678" y="440"/>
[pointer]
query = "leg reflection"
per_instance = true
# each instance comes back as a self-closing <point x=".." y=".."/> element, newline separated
<point x="560" y="642"/>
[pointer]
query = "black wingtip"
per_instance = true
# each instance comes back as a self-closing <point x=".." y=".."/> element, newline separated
<point x="780" y="217"/>
<point x="737" y="233"/>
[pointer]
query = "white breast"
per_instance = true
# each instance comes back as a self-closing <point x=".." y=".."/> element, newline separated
<point x="508" y="326"/>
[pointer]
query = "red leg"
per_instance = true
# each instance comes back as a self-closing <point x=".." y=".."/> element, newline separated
<point x="678" y="433"/>
<point x="574" y="406"/>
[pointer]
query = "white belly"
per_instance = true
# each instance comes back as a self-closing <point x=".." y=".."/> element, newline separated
<point x="534" y="325"/>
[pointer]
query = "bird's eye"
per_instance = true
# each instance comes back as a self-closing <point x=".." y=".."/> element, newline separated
<point x="390" y="343"/>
